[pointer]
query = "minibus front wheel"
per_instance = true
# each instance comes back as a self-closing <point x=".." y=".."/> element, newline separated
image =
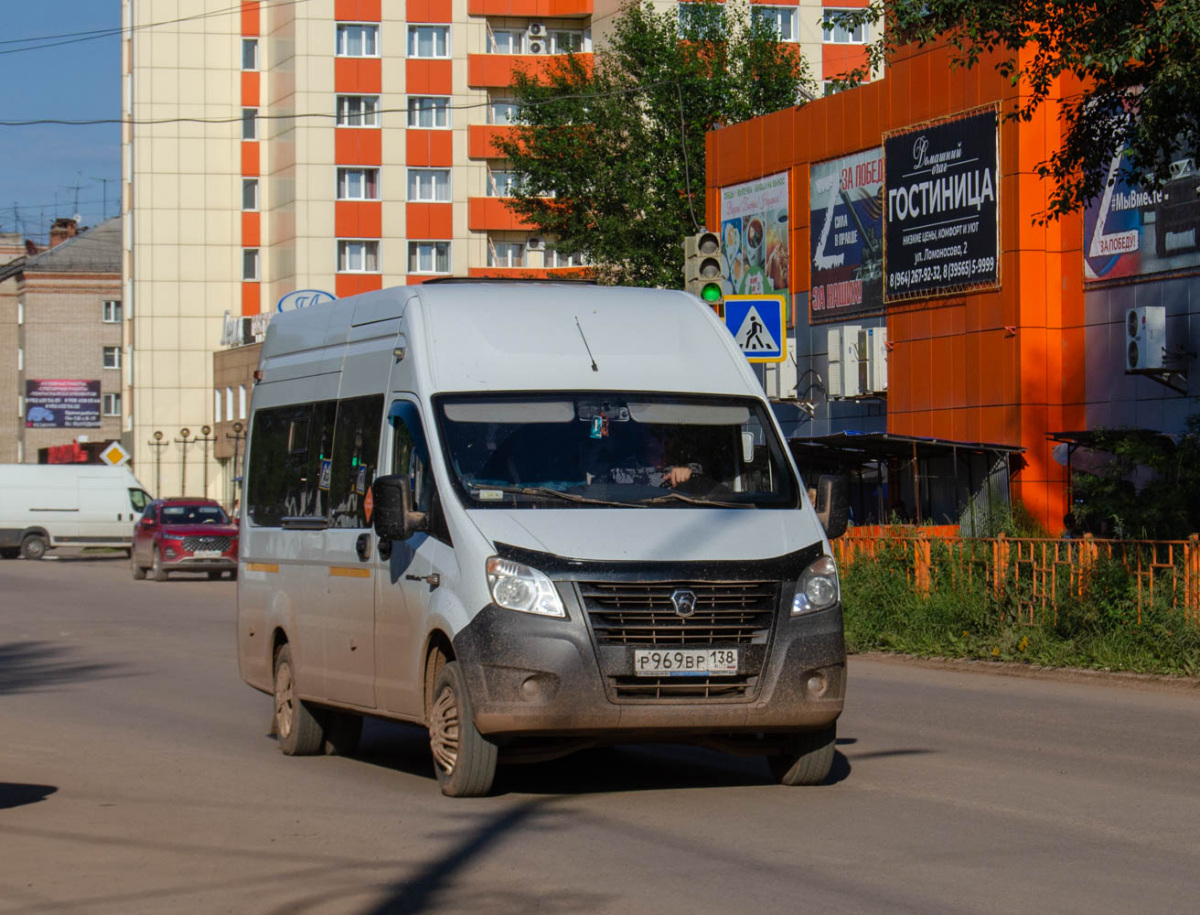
<point x="807" y="757"/>
<point x="464" y="760"/>
<point x="299" y="731"/>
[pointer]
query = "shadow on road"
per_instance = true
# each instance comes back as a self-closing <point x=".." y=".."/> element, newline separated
<point x="27" y="666"/>
<point x="641" y="767"/>
<point x="16" y="794"/>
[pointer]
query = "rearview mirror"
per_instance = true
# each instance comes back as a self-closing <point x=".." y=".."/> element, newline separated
<point x="747" y="447"/>
<point x="833" y="504"/>
<point x="393" y="516"/>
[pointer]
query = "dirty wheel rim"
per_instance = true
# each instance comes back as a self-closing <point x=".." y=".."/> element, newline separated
<point x="284" y="700"/>
<point x="443" y="731"/>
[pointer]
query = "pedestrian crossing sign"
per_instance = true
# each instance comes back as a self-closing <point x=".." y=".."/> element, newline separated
<point x="757" y="325"/>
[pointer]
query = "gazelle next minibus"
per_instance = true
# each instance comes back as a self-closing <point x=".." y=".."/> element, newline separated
<point x="532" y="517"/>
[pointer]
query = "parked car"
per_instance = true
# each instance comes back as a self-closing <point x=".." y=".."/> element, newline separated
<point x="184" y="535"/>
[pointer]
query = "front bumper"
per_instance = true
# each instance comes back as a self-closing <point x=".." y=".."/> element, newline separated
<point x="531" y="675"/>
<point x="186" y="564"/>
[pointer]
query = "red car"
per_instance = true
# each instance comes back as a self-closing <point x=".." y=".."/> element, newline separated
<point x="184" y="535"/>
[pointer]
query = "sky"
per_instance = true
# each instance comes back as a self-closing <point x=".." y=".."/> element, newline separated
<point x="75" y="79"/>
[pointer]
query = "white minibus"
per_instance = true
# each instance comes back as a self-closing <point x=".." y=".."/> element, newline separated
<point x="532" y="517"/>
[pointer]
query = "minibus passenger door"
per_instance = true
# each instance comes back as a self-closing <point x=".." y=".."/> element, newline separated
<point x="409" y="569"/>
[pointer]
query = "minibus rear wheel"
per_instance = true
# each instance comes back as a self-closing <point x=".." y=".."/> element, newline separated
<point x="807" y="758"/>
<point x="464" y="760"/>
<point x="299" y="731"/>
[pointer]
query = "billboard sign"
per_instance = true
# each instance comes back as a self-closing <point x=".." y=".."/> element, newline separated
<point x="846" y="236"/>
<point x="1129" y="231"/>
<point x="62" y="403"/>
<point x="942" y="213"/>
<point x="755" y="242"/>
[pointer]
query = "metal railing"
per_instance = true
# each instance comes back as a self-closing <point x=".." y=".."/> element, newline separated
<point x="1038" y="572"/>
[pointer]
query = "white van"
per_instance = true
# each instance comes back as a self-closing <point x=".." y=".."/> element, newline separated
<point x="43" y="506"/>
<point x="532" y="517"/>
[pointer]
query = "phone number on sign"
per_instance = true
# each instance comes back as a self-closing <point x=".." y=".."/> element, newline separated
<point x="961" y="271"/>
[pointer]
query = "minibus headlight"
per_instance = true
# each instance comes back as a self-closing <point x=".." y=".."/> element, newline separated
<point x="518" y="587"/>
<point x="818" y="587"/>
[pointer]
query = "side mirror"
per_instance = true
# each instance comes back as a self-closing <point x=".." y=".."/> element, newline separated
<point x="393" y="516"/>
<point x="833" y="504"/>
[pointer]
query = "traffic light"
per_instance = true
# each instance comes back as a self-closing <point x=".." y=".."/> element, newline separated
<point x="702" y="270"/>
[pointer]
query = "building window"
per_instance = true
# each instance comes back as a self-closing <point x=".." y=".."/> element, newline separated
<point x="429" y="112"/>
<point x="110" y="311"/>
<point x="429" y="41"/>
<point x="241" y="401"/>
<point x="429" y="257"/>
<point x="20" y="415"/>
<point x="782" y="19"/>
<point x="429" y="185"/>
<point x="249" y="193"/>
<point x="501" y="183"/>
<point x="217" y="406"/>
<point x="556" y="258"/>
<point x="249" y="123"/>
<point x="112" y="404"/>
<point x="837" y="33"/>
<point x="20" y="313"/>
<point x="506" y="41"/>
<point x="250" y="264"/>
<point x="249" y="53"/>
<point x="112" y="357"/>
<point x="502" y="111"/>
<point x="20" y="358"/>
<point x="693" y="17"/>
<point x="566" y="42"/>
<point x="358" y="184"/>
<point x="358" y="256"/>
<point x="505" y="254"/>
<point x="357" y="39"/>
<point x="358" y="111"/>
<point x="229" y="402"/>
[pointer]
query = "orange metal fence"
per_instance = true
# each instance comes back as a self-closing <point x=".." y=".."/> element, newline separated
<point x="1039" y="572"/>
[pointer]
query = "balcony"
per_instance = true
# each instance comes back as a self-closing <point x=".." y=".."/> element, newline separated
<point x="533" y="9"/>
<point x="495" y="71"/>
<point x="480" y="140"/>
<point x="491" y="214"/>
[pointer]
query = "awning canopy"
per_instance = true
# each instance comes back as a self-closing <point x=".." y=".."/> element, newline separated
<point x="845" y="448"/>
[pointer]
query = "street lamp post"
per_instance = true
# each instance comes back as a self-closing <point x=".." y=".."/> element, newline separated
<point x="205" y="438"/>
<point x="238" y="436"/>
<point x="186" y="442"/>
<point x="158" y="445"/>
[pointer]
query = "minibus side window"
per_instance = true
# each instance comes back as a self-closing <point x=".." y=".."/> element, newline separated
<point x="355" y="453"/>
<point x="290" y="457"/>
<point x="410" y="456"/>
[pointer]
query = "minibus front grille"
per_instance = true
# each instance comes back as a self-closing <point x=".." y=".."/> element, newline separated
<point x="191" y="544"/>
<point x="644" y="613"/>
<point x="684" y="689"/>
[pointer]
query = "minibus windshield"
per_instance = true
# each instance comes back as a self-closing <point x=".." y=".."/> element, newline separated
<point x="587" y="450"/>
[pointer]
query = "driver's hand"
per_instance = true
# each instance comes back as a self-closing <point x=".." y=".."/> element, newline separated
<point x="677" y="475"/>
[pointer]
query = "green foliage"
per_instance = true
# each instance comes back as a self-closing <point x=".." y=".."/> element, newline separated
<point x="1134" y="58"/>
<point x="1150" y="489"/>
<point x="961" y="617"/>
<point x="610" y="160"/>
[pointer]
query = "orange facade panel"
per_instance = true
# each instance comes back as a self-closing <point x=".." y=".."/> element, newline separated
<point x="250" y="158"/>
<point x="358" y="219"/>
<point x="348" y="284"/>
<point x="431" y="221"/>
<point x="429" y="148"/>
<point x="534" y="9"/>
<point x="495" y="71"/>
<point x="429" y="77"/>
<point x="357" y="10"/>
<point x="429" y="11"/>
<point x="251" y="230"/>
<point x="837" y="59"/>
<point x="493" y="214"/>
<point x="481" y="140"/>
<point x="357" y="74"/>
<point x="358" y="146"/>
<point x="250" y="18"/>
<point x="251" y="298"/>
<point x="251" y="81"/>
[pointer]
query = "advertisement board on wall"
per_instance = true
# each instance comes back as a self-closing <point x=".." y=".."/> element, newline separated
<point x="755" y="241"/>
<point x="1129" y="231"/>
<point x="941" y="219"/>
<point x="62" y="403"/>
<point x="846" y="236"/>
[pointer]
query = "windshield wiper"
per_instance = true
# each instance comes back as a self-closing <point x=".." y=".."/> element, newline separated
<point x="556" y="493"/>
<point x="691" y="500"/>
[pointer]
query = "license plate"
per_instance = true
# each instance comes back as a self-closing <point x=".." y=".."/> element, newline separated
<point x="686" y="662"/>
<point x="206" y="554"/>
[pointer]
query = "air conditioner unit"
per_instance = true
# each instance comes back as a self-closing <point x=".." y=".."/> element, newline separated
<point x="1145" y="338"/>
<point x="781" y="377"/>
<point x="538" y="46"/>
<point x="872" y="345"/>
<point x="843" y="379"/>
<point x="535" y="244"/>
<point x="537" y="29"/>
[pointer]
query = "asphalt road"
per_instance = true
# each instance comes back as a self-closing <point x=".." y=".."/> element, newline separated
<point x="136" y="775"/>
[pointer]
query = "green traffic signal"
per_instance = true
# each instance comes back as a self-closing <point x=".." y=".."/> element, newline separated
<point x="711" y="293"/>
